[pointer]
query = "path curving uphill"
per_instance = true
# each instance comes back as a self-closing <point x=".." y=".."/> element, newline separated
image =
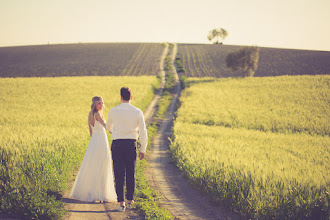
<point x="178" y="196"/>
<point x="100" y="211"/>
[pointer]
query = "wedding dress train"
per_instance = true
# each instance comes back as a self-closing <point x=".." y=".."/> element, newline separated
<point x="95" y="181"/>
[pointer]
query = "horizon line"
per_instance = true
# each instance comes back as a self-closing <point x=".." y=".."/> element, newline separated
<point x="132" y="42"/>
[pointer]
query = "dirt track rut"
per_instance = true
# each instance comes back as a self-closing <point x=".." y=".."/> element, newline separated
<point x="179" y="197"/>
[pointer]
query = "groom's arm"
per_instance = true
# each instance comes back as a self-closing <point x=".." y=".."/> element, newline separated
<point x="143" y="135"/>
<point x="109" y="123"/>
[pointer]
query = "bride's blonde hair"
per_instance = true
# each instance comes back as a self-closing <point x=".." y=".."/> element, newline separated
<point x="95" y="100"/>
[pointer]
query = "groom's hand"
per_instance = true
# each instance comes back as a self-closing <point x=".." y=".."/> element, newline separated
<point x="142" y="155"/>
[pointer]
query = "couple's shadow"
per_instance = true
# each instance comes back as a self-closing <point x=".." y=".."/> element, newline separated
<point x="70" y="201"/>
<point x="108" y="205"/>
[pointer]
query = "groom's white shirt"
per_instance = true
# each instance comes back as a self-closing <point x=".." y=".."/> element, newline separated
<point x="127" y="122"/>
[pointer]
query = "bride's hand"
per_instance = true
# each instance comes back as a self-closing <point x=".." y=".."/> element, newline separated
<point x="142" y="155"/>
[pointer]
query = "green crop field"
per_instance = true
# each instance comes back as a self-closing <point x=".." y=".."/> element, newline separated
<point x="258" y="145"/>
<point x="44" y="135"/>
<point x="98" y="59"/>
<point x="210" y="61"/>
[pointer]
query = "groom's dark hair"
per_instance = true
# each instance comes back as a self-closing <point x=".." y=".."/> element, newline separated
<point x="126" y="93"/>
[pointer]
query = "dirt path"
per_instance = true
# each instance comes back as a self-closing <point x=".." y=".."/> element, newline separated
<point x="101" y="211"/>
<point x="179" y="197"/>
<point x="149" y="112"/>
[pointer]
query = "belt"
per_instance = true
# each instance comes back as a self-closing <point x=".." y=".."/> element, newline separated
<point x="124" y="140"/>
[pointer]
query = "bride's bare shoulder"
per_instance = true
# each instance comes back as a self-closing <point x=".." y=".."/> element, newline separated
<point x="97" y="115"/>
<point x="90" y="116"/>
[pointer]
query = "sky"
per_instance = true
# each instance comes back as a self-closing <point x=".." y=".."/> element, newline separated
<point x="297" y="24"/>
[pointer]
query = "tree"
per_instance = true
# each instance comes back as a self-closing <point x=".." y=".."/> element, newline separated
<point x="245" y="59"/>
<point x="217" y="33"/>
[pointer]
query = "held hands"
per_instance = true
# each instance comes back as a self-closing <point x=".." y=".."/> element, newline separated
<point x="142" y="155"/>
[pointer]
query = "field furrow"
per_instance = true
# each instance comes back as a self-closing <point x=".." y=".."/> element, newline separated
<point x="272" y="61"/>
<point x="104" y="59"/>
<point x="139" y="63"/>
<point x="186" y="60"/>
<point x="130" y="66"/>
<point x="211" y="68"/>
<point x="145" y="61"/>
<point x="204" y="62"/>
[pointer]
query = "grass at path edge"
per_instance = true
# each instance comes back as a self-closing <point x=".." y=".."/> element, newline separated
<point x="147" y="202"/>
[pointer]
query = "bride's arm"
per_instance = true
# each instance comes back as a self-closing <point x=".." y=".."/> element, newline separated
<point x="90" y="121"/>
<point x="100" y="119"/>
<point x="90" y="130"/>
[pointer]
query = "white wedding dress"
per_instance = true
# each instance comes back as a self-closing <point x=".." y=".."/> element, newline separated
<point x="95" y="181"/>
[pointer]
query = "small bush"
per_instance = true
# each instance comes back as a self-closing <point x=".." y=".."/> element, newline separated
<point x="246" y="60"/>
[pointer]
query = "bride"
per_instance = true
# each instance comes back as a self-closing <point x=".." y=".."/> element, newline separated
<point x="94" y="181"/>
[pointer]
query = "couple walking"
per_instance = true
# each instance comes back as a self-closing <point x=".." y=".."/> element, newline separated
<point x="94" y="181"/>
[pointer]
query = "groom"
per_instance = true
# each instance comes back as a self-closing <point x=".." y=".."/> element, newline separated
<point x="126" y="124"/>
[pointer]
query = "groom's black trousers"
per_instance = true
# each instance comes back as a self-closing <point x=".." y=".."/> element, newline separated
<point x="124" y="163"/>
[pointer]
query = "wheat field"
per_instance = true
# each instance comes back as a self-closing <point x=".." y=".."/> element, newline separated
<point x="44" y="135"/>
<point x="258" y="145"/>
